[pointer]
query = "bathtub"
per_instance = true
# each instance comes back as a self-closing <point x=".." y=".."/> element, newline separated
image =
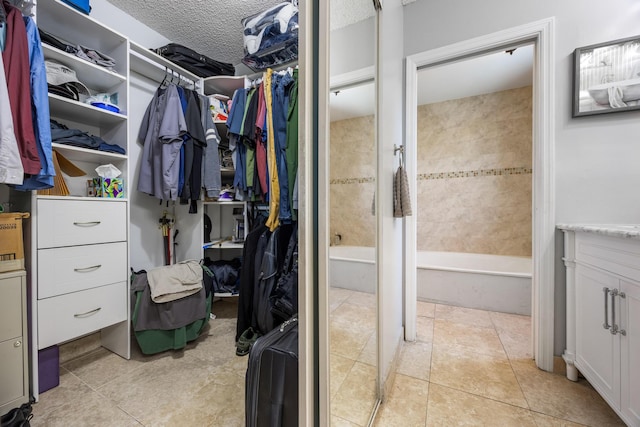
<point x="352" y="267"/>
<point x="487" y="282"/>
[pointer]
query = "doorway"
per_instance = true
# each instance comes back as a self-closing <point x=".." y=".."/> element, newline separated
<point x="540" y="34"/>
<point x="474" y="182"/>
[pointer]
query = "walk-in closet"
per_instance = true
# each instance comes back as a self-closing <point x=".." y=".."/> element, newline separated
<point x="152" y="183"/>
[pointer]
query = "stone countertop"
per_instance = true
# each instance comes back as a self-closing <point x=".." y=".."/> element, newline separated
<point x="625" y="231"/>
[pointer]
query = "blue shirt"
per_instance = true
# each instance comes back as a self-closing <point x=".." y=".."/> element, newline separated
<point x="40" y="112"/>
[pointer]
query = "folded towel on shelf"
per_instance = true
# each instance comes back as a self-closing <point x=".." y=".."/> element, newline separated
<point x="401" y="198"/>
<point x="173" y="282"/>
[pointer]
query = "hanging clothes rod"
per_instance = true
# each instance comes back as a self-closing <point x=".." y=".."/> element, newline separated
<point x="160" y="70"/>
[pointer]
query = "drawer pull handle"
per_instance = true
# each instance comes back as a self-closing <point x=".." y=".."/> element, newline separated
<point x="87" y="224"/>
<point x="622" y="331"/>
<point x="87" y="269"/>
<point x="614" y="327"/>
<point x="88" y="313"/>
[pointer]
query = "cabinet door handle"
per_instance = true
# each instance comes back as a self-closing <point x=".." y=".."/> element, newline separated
<point x="87" y="269"/>
<point x="87" y="223"/>
<point x="88" y="313"/>
<point x="622" y="331"/>
<point x="614" y="327"/>
<point x="606" y="324"/>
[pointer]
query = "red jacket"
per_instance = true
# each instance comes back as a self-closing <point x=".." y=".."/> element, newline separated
<point x="17" y="71"/>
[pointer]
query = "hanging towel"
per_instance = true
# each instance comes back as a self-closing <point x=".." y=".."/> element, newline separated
<point x="401" y="200"/>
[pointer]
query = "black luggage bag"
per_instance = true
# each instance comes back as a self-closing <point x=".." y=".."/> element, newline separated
<point x="195" y="62"/>
<point x="271" y="397"/>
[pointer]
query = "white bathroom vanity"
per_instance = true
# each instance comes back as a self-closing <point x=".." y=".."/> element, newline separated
<point x="603" y="312"/>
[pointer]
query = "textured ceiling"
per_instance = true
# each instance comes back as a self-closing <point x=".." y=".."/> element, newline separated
<point x="347" y="12"/>
<point x="213" y="27"/>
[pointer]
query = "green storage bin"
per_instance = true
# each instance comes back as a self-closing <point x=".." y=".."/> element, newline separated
<point x="154" y="341"/>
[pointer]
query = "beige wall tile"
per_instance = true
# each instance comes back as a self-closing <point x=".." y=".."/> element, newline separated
<point x="478" y="214"/>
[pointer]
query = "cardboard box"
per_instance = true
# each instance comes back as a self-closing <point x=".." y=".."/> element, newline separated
<point x="11" y="243"/>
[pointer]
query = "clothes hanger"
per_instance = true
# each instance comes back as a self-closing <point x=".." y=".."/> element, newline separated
<point x="3" y="16"/>
<point x="164" y="80"/>
<point x="24" y="6"/>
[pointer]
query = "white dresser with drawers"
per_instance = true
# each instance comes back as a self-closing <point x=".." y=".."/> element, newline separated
<point x="81" y="268"/>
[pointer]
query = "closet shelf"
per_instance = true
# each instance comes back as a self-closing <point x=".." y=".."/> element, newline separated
<point x="152" y="65"/>
<point x="225" y="295"/>
<point x="76" y="111"/>
<point x="80" y="154"/>
<point x="227" y="244"/>
<point x="225" y="85"/>
<point x="228" y="203"/>
<point x="77" y="25"/>
<point x="95" y="77"/>
<point x="67" y="23"/>
<point x="83" y="198"/>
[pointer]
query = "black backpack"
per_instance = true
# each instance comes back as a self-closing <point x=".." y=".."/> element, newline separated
<point x="266" y="282"/>
<point x="284" y="299"/>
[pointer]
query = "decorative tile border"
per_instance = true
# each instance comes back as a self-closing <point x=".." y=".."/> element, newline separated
<point x="476" y="173"/>
<point x="444" y="175"/>
<point x="368" y="179"/>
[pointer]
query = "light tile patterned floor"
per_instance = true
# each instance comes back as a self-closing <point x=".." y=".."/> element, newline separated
<point x="474" y="368"/>
<point x="468" y="367"/>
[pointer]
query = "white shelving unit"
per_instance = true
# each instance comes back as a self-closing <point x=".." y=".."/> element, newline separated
<point x="225" y="214"/>
<point x="223" y="219"/>
<point x="79" y="245"/>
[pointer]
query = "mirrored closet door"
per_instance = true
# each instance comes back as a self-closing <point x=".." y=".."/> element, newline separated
<point x="353" y="311"/>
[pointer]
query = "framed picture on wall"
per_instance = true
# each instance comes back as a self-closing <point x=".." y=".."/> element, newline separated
<point x="607" y="77"/>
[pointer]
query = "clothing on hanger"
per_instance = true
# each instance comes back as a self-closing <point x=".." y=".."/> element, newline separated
<point x="17" y="73"/>
<point x="41" y="116"/>
<point x="163" y="126"/>
<point x="11" y="171"/>
<point x="211" y="174"/>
